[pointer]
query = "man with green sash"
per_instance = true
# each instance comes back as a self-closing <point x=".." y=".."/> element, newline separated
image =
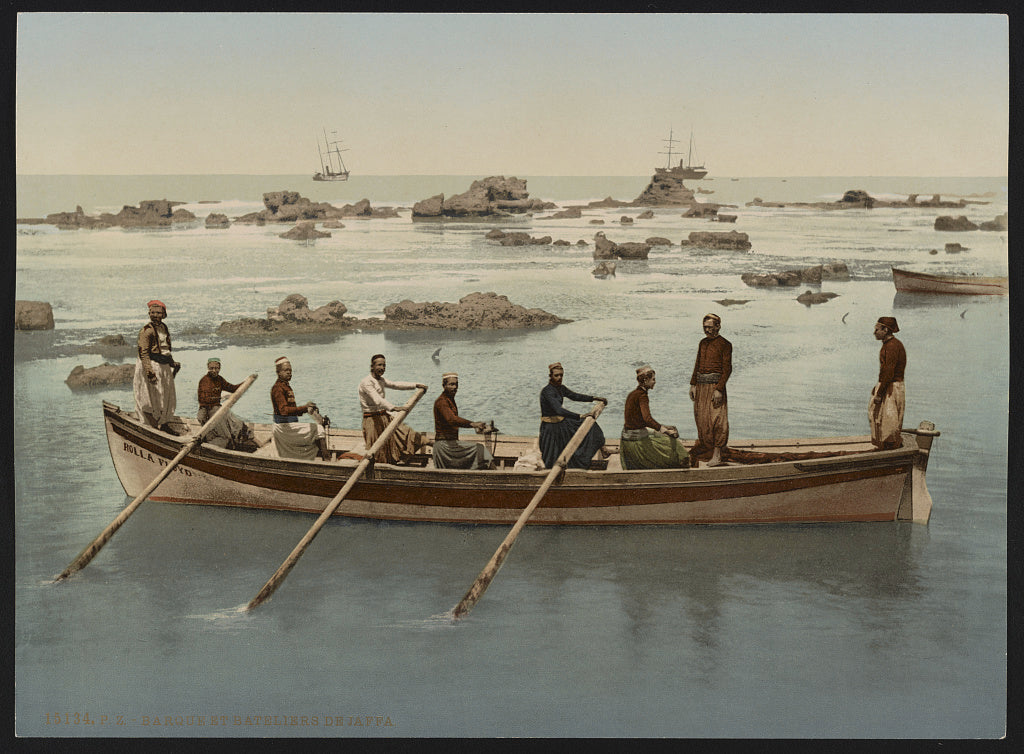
<point x="646" y="443"/>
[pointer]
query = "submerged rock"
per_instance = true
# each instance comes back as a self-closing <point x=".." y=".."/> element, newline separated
<point x="604" y="270"/>
<point x="810" y="297"/>
<point x="304" y="232"/>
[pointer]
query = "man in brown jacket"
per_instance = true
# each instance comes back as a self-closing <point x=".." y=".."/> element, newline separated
<point x="707" y="391"/>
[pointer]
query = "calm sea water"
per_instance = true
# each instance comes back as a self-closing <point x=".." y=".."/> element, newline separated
<point x="874" y="630"/>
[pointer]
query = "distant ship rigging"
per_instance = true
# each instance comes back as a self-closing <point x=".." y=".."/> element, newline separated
<point x="332" y="167"/>
<point x="689" y="170"/>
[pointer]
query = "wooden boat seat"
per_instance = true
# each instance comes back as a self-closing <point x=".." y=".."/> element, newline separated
<point x="417" y="459"/>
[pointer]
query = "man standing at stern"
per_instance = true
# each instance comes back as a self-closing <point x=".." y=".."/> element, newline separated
<point x="888" y="399"/>
<point x="707" y="391"/>
<point x="449" y="451"/>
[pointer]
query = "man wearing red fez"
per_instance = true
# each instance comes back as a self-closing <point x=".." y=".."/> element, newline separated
<point x="707" y="391"/>
<point x="558" y="424"/>
<point x="885" y="411"/>
<point x="155" y="370"/>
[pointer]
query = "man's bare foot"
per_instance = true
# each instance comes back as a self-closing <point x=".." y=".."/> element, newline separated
<point x="716" y="458"/>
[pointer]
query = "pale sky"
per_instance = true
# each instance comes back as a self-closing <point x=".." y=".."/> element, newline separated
<point x="513" y="94"/>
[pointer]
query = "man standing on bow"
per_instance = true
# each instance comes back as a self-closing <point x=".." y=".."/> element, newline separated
<point x="404" y="441"/>
<point x="153" y="382"/>
<point x="888" y="399"/>
<point x="449" y="451"/>
<point x="707" y="391"/>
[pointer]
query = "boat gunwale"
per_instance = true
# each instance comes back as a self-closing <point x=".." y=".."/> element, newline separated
<point x="572" y="479"/>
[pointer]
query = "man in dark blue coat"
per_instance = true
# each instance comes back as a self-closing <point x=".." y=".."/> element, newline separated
<point x="559" y="424"/>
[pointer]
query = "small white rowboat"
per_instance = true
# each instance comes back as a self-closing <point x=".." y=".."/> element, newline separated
<point x="970" y="285"/>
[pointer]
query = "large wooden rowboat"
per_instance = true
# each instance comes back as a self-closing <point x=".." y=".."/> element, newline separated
<point x="828" y="479"/>
<point x="970" y="285"/>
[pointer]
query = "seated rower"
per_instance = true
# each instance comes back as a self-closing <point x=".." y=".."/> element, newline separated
<point x="559" y="424"/>
<point x="404" y="441"/>
<point x="230" y="429"/>
<point x="449" y="451"/>
<point x="291" y="438"/>
<point x="646" y="444"/>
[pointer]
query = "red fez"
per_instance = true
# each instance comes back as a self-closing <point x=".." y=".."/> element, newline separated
<point x="890" y="323"/>
<point x="154" y="302"/>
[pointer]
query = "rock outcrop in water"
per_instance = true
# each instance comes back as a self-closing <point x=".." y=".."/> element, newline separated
<point x="33" y="315"/>
<point x="665" y="190"/>
<point x="958" y="224"/>
<point x="813" y="275"/>
<point x="105" y="375"/>
<point x="860" y="199"/>
<point x="151" y="213"/>
<point x="496" y="196"/>
<point x="476" y="311"/>
<point x="291" y="207"/>
<point x="731" y="240"/>
<point x="606" y="249"/>
<point x="217" y="220"/>
<point x="304" y="231"/>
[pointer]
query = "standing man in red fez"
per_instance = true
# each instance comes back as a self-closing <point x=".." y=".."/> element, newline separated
<point x="888" y="399"/>
<point x="707" y="391"/>
<point x="155" y="370"/>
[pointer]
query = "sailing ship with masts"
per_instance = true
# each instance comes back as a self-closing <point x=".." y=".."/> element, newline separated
<point x="332" y="167"/>
<point x="689" y="170"/>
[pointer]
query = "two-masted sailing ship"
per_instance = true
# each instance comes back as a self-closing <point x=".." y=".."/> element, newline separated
<point x="689" y="170"/>
<point x="332" y="167"/>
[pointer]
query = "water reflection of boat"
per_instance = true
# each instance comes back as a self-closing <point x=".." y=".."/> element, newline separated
<point x="965" y="285"/>
<point x="784" y="481"/>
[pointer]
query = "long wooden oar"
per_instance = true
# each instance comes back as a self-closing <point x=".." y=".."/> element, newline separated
<point x="275" y="581"/>
<point x="97" y="544"/>
<point x="491" y="569"/>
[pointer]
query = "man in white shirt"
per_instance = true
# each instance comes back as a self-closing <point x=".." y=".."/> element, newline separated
<point x="404" y="441"/>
